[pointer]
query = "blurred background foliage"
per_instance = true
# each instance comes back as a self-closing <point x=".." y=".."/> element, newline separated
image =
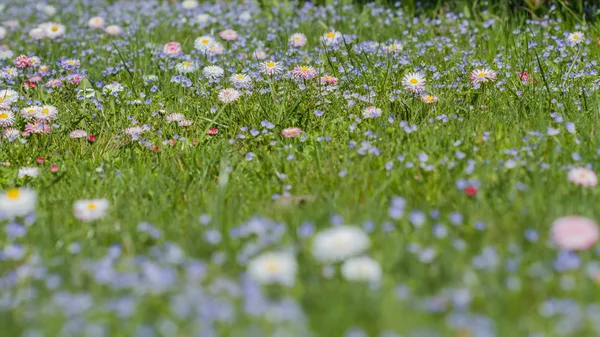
<point x="582" y="10"/>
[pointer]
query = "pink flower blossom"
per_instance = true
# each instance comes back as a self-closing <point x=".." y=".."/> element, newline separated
<point x="574" y="232"/>
<point x="291" y="132"/>
<point x="23" y="62"/>
<point x="36" y="128"/>
<point x="228" y="35"/>
<point x="172" y="49"/>
<point x="583" y="176"/>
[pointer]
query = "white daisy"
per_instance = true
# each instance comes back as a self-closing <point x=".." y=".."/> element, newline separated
<point x="339" y="243"/>
<point x="229" y="95"/>
<point x="17" y="202"/>
<point x="7" y="118"/>
<point x="575" y="38"/>
<point x="414" y="82"/>
<point x="203" y="43"/>
<point x="297" y="40"/>
<point x="482" y="75"/>
<point x="32" y="172"/>
<point x="241" y="80"/>
<point x="30" y="112"/>
<point x="273" y="268"/>
<point x="361" y="269"/>
<point x="186" y="67"/>
<point x="213" y="72"/>
<point x="47" y="113"/>
<point x="90" y="210"/>
<point x="270" y="68"/>
<point x="331" y="38"/>
<point x="8" y="96"/>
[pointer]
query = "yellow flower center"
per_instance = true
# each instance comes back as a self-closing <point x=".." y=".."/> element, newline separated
<point x="91" y="206"/>
<point x="272" y="267"/>
<point x="240" y="77"/>
<point x="71" y="62"/>
<point x="13" y="193"/>
<point x="270" y="64"/>
<point x="297" y="38"/>
<point x="481" y="74"/>
<point x="4" y="115"/>
<point x="330" y="35"/>
<point x="304" y="68"/>
<point x="9" y="71"/>
<point x="205" y="41"/>
<point x="54" y="28"/>
<point x="413" y="81"/>
<point x="576" y="37"/>
<point x="186" y="64"/>
<point x="1" y="99"/>
<point x="429" y="98"/>
<point x="45" y="111"/>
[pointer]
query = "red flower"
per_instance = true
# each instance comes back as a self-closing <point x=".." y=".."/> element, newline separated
<point x="212" y="131"/>
<point x="91" y="138"/>
<point x="41" y="160"/>
<point x="471" y="191"/>
<point x="54" y="168"/>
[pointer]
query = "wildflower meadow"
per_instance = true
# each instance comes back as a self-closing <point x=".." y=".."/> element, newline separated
<point x="200" y="169"/>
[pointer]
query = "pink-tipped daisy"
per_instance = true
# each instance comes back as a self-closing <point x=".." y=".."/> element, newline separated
<point x="291" y="132"/>
<point x="304" y="72"/>
<point x="575" y="232"/>
<point x="583" y="176"/>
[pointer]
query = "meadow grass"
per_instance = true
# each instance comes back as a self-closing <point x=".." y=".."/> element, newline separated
<point x="453" y="264"/>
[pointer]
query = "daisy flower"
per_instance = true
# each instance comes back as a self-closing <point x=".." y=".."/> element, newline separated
<point x="9" y="73"/>
<point x="203" y="43"/>
<point x="189" y="4"/>
<point x="32" y="172"/>
<point x="6" y="54"/>
<point x="47" y="113"/>
<point x="36" y="128"/>
<point x="175" y="117"/>
<point x="297" y="40"/>
<point x="30" y="112"/>
<point x="304" y="72"/>
<point x="259" y="54"/>
<point x="229" y="95"/>
<point x="270" y="68"/>
<point x="574" y="232"/>
<point x="8" y="96"/>
<point x="575" y="38"/>
<point x="185" y="122"/>
<point x="583" y="176"/>
<point x="339" y="243"/>
<point x="291" y="132"/>
<point x="393" y="48"/>
<point x="429" y="98"/>
<point x="414" y="82"/>
<point x="216" y="49"/>
<point x="329" y="80"/>
<point x="76" y="134"/>
<point x="213" y="72"/>
<point x="331" y="38"/>
<point x="361" y="268"/>
<point x="53" y="30"/>
<point x="7" y="118"/>
<point x="96" y="22"/>
<point x="113" y="30"/>
<point x="172" y="49"/>
<point x="482" y="75"/>
<point x="240" y="80"/>
<point x="90" y="210"/>
<point x="134" y="131"/>
<point x="186" y="67"/>
<point x="10" y="134"/>
<point x="273" y="268"/>
<point x="16" y="202"/>
<point x="23" y="61"/>
<point x="228" y="35"/>
<point x="371" y="112"/>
